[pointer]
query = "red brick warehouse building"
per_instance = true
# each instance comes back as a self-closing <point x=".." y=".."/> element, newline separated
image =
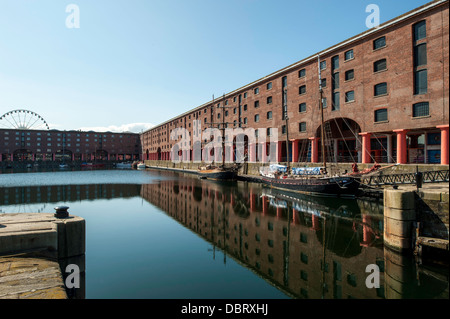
<point x="56" y="145"/>
<point x="385" y="99"/>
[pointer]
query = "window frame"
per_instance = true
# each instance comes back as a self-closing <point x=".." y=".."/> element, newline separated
<point x="345" y="55"/>
<point x="300" y="76"/>
<point x="420" y="104"/>
<point x="299" y="107"/>
<point x="378" y="85"/>
<point x="304" y="124"/>
<point x="378" y="62"/>
<point x="347" y="72"/>
<point x="417" y="90"/>
<point x="380" y="47"/>
<point x="346" y="96"/>
<point x="300" y="89"/>
<point x="377" y="112"/>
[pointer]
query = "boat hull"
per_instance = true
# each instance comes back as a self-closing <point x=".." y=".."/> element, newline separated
<point x="325" y="187"/>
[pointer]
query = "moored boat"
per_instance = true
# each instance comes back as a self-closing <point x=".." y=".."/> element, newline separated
<point x="123" y="165"/>
<point x="217" y="172"/>
<point x="316" y="181"/>
<point x="141" y="166"/>
<point x="311" y="184"/>
<point x="220" y="171"/>
<point x="63" y="165"/>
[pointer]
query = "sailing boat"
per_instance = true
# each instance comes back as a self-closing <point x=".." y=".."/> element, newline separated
<point x="223" y="171"/>
<point x="314" y="181"/>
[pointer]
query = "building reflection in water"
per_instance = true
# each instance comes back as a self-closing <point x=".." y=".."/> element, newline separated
<point x="307" y="247"/>
<point x="26" y="199"/>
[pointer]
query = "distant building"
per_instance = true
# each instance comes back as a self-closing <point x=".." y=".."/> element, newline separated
<point x="51" y="145"/>
<point x="385" y="99"/>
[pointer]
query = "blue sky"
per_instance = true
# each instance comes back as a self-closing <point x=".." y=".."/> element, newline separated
<point x="145" y="61"/>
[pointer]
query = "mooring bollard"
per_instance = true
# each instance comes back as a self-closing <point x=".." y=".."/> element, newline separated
<point x="61" y="212"/>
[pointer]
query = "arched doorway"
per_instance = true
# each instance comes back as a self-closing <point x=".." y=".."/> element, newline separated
<point x="101" y="155"/>
<point x="342" y="142"/>
<point x="158" y="152"/>
<point x="23" y="155"/>
<point x="63" y="155"/>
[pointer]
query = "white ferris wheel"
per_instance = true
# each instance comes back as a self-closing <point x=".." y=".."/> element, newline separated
<point x="23" y="120"/>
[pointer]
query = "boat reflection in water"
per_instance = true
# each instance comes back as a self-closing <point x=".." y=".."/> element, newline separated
<point x="306" y="247"/>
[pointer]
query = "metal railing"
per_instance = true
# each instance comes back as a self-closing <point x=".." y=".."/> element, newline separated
<point x="406" y="178"/>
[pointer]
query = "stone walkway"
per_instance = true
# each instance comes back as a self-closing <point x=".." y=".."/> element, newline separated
<point x="30" y="278"/>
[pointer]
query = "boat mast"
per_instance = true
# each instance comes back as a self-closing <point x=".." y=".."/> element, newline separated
<point x="287" y="129"/>
<point x="223" y="131"/>
<point x="322" y="129"/>
<point x="211" y="125"/>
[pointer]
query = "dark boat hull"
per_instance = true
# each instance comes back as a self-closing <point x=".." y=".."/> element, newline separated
<point x="218" y="174"/>
<point x="327" y="187"/>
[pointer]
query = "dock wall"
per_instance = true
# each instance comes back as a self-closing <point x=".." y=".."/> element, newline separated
<point x="252" y="169"/>
<point x="35" y="249"/>
<point x="413" y="219"/>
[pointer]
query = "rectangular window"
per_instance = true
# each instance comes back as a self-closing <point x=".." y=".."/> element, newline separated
<point x="336" y="101"/>
<point x="302" y="107"/>
<point x="335" y="62"/>
<point x="302" y="73"/>
<point x="269" y="100"/>
<point x="335" y="80"/>
<point x="421" y="109"/>
<point x="283" y="129"/>
<point x="420" y="82"/>
<point x="349" y="55"/>
<point x="379" y="65"/>
<point x="269" y="115"/>
<point x="324" y="83"/>
<point x="420" y="55"/>
<point x="269" y="85"/>
<point x="420" y="30"/>
<point x="256" y="117"/>
<point x="349" y="75"/>
<point x="269" y="131"/>
<point x="379" y="43"/>
<point x="302" y="89"/>
<point x="380" y="89"/>
<point x="245" y="95"/>
<point x="350" y="96"/>
<point x="245" y="120"/>
<point x="302" y="127"/>
<point x="323" y="65"/>
<point x="256" y="91"/>
<point x="245" y="107"/>
<point x="381" y="115"/>
<point x="324" y="103"/>
<point x="256" y="104"/>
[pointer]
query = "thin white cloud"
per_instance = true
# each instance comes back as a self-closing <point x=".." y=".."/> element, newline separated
<point x="132" y="127"/>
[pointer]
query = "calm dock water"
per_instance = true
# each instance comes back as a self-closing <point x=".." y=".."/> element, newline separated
<point x="154" y="234"/>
